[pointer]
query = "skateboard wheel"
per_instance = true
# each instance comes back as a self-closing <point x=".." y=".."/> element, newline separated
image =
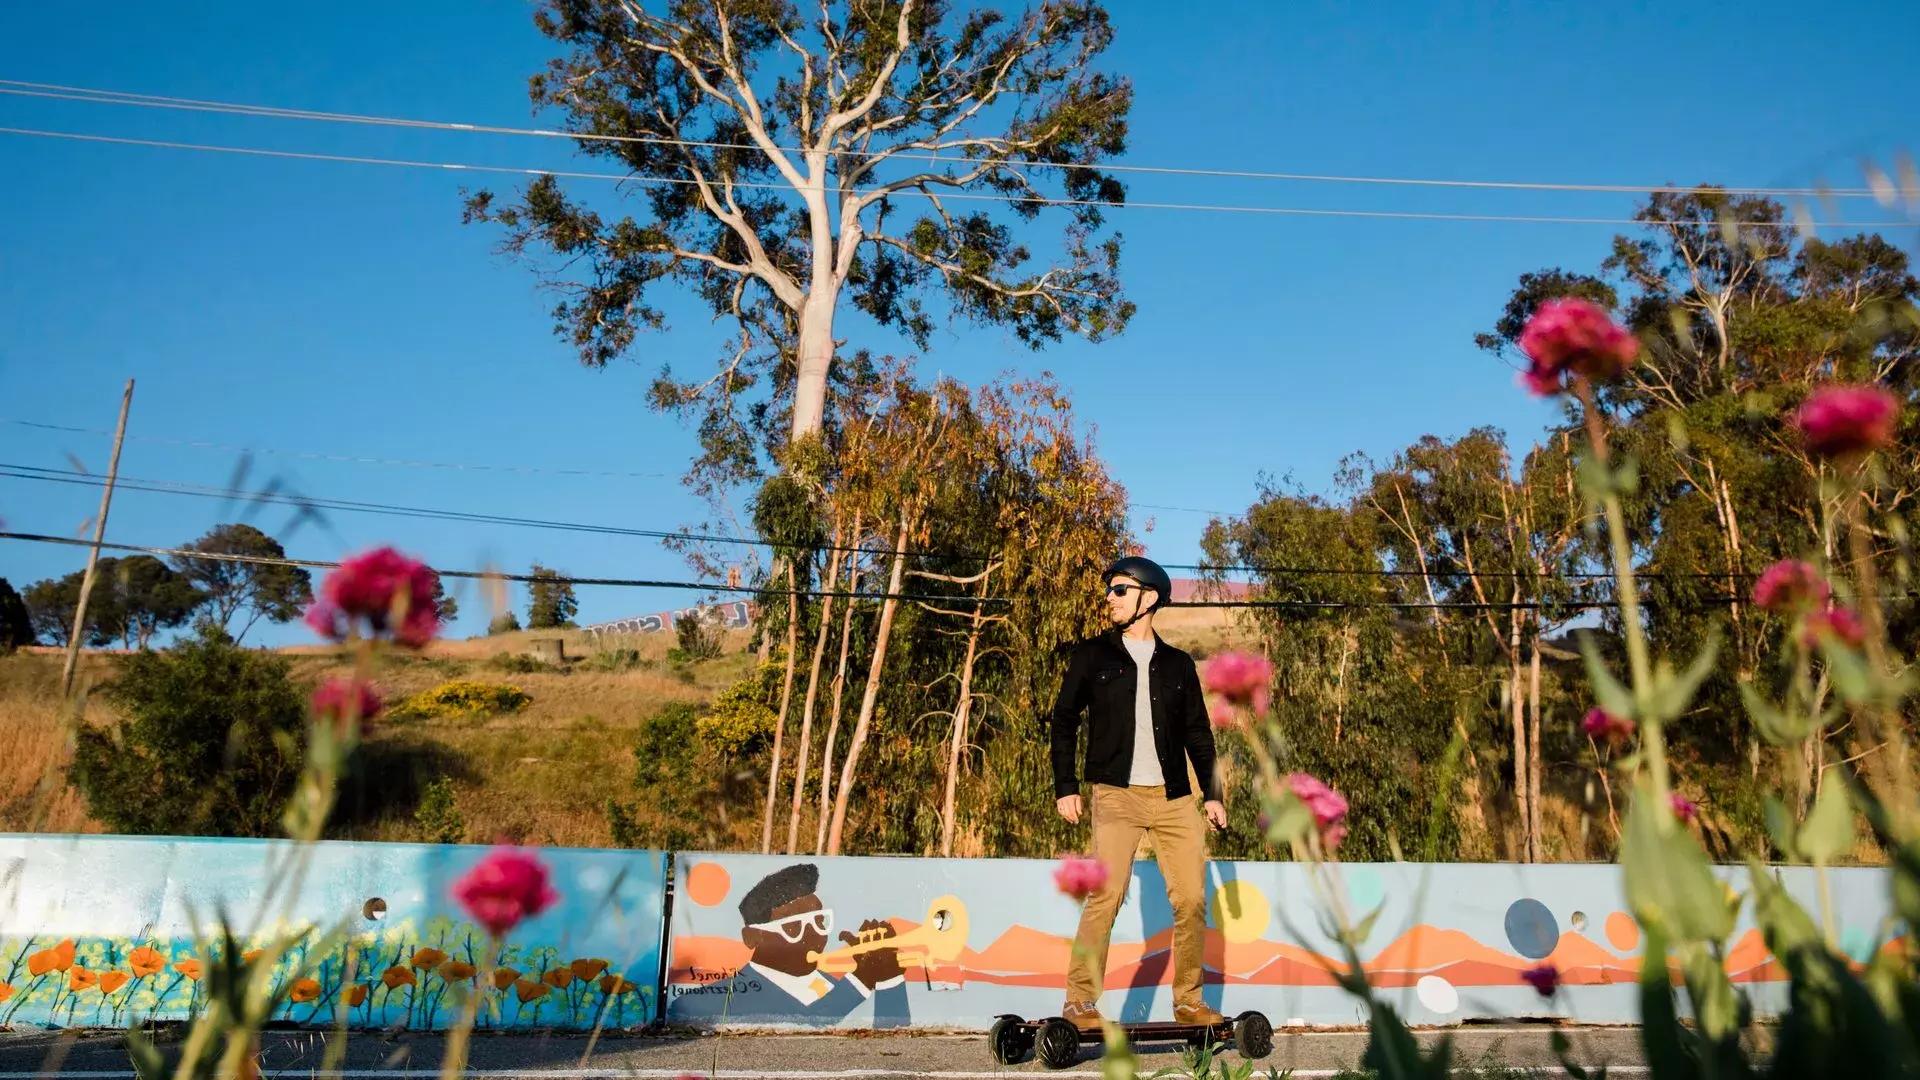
<point x="1252" y="1035"/>
<point x="1059" y="1043"/>
<point x="1010" y="1040"/>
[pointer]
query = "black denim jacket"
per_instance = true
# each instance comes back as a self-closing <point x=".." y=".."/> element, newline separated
<point x="1100" y="681"/>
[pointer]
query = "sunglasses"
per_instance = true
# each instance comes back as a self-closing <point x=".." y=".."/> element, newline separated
<point x="794" y="927"/>
<point x="1124" y="589"/>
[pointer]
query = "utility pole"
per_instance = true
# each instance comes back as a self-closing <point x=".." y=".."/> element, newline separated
<point x="93" y="554"/>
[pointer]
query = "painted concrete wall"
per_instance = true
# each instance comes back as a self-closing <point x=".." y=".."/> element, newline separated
<point x="101" y="931"/>
<point x="1449" y="945"/>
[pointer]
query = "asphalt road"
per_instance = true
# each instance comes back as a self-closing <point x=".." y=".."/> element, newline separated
<point x="27" y="1055"/>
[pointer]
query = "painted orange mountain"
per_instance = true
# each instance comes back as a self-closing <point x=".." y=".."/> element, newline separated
<point x="1023" y="956"/>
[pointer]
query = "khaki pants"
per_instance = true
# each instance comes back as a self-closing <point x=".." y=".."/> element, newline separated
<point x="1120" y="817"/>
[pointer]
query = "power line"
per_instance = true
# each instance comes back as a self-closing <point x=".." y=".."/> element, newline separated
<point x="351" y="459"/>
<point x="170" y="487"/>
<point x="708" y="586"/>
<point x="491" y="575"/>
<point x="458" y="466"/>
<point x="95" y="96"/>
<point x="309" y="503"/>
<point x="957" y="196"/>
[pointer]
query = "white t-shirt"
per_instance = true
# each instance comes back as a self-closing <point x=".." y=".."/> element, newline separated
<point x="1146" y="759"/>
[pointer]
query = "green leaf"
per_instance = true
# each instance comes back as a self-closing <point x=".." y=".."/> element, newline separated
<point x="1784" y="924"/>
<point x="1391" y="1049"/>
<point x="1627" y="479"/>
<point x="1595" y="482"/>
<point x="1364" y="928"/>
<point x="1669" y="883"/>
<point x="1291" y="820"/>
<point x="148" y="1062"/>
<point x="1775" y="725"/>
<point x="1829" y="828"/>
<point x="1607" y="690"/>
<point x="1661" y="1036"/>
<point x="1779" y="825"/>
<point x="1715" y="1008"/>
<point x="1672" y="694"/>
<point x="1852" y="679"/>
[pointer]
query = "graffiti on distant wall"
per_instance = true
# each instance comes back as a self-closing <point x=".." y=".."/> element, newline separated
<point x="737" y="615"/>
<point x="97" y="931"/>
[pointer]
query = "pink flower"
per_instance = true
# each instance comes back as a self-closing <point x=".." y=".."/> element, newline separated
<point x="1544" y="979"/>
<point x="346" y="700"/>
<point x="383" y="589"/>
<point x="1839" y="421"/>
<point x="1242" y="678"/>
<point x="503" y="888"/>
<point x="1578" y="336"/>
<point x="1329" y="807"/>
<point x="1790" y="584"/>
<point x="1683" y="808"/>
<point x="1602" y="726"/>
<point x="1080" y="878"/>
<point x="1223" y="715"/>
<point x="1837" y="622"/>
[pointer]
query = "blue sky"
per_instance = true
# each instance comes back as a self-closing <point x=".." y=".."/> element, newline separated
<point x="344" y="309"/>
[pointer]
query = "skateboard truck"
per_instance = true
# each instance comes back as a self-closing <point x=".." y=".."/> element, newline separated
<point x="1058" y="1041"/>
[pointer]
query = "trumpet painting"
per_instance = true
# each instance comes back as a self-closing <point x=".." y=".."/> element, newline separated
<point x="109" y="931"/>
<point x="760" y="941"/>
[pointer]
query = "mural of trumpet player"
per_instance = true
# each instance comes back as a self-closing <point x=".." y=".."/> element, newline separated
<point x="790" y="976"/>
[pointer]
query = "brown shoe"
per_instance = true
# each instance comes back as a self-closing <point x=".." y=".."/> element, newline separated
<point x="1082" y="1014"/>
<point x="1197" y="1014"/>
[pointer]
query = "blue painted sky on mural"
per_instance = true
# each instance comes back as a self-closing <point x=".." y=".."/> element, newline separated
<point x="344" y="309"/>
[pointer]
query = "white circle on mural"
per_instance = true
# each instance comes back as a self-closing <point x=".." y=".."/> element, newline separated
<point x="1437" y="994"/>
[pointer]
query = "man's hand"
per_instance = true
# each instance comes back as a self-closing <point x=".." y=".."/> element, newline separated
<point x="876" y="967"/>
<point x="1069" y="807"/>
<point x="1216" y="813"/>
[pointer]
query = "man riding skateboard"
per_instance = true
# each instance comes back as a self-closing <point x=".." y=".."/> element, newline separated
<point x="1146" y="718"/>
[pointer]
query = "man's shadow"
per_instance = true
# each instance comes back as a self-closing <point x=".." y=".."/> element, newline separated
<point x="1156" y="916"/>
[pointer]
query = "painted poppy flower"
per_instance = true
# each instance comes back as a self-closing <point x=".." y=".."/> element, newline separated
<point x="396" y="977"/>
<point x="146" y="960"/>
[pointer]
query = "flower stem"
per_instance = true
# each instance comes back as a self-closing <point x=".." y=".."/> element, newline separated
<point x="1621" y="549"/>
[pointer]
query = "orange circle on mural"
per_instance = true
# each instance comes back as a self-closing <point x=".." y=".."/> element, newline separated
<point x="1622" y="932"/>
<point x="707" y="883"/>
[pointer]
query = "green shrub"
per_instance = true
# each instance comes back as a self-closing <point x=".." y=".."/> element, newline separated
<point x="522" y="664"/>
<point x="697" y="636"/>
<point x="437" y="817"/>
<point x="504" y="623"/>
<point x="461" y="699"/>
<point x="616" y="660"/>
<point x="212" y="743"/>
<point x="16" y="625"/>
<point x="739" y="722"/>
<point x="677" y="780"/>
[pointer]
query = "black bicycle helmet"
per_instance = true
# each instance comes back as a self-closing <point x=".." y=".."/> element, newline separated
<point x="1146" y="572"/>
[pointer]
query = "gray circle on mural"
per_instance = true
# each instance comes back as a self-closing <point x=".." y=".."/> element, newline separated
<point x="1531" y="928"/>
